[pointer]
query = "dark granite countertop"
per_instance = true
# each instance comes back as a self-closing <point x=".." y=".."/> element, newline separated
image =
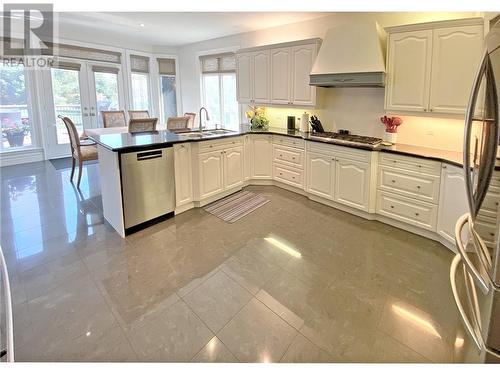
<point x="127" y="142"/>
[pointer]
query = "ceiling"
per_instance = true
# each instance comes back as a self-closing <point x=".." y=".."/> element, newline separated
<point x="175" y="29"/>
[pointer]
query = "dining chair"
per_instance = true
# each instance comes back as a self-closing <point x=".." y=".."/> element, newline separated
<point x="192" y="117"/>
<point x="112" y="119"/>
<point x="140" y="125"/>
<point x="178" y="124"/>
<point x="133" y="114"/>
<point x="81" y="150"/>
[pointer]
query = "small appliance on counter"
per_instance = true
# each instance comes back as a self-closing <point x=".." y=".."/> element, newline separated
<point x="290" y="123"/>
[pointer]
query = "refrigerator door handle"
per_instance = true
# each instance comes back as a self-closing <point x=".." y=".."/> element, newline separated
<point x="469" y="118"/>
<point x="474" y="332"/>
<point x="483" y="285"/>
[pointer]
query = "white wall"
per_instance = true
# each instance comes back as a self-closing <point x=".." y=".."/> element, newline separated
<point x="357" y="109"/>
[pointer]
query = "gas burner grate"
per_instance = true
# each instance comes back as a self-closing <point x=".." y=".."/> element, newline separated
<point x="347" y="138"/>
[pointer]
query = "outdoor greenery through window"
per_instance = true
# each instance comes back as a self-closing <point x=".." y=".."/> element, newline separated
<point x="140" y="91"/>
<point x="219" y="90"/>
<point x="14" y="108"/>
<point x="106" y="88"/>
<point x="168" y="96"/>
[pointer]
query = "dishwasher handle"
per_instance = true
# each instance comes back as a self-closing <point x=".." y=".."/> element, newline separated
<point x="149" y="155"/>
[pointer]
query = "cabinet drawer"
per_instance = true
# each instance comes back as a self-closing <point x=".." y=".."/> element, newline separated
<point x="340" y="151"/>
<point x="288" y="155"/>
<point x="410" y="163"/>
<point x="412" y="184"/>
<point x="220" y="144"/>
<point x="288" y="141"/>
<point x="288" y="175"/>
<point x="491" y="202"/>
<point x="408" y="210"/>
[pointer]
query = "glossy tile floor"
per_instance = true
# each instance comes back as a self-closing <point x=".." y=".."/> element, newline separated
<point x="295" y="281"/>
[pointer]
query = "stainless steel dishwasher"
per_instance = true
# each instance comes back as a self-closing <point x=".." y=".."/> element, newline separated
<point x="148" y="187"/>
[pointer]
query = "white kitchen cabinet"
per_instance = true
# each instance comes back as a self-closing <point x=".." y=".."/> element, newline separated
<point x="408" y="71"/>
<point x="233" y="167"/>
<point x="261" y="164"/>
<point x="452" y="201"/>
<point x="430" y="67"/>
<point x="247" y="152"/>
<point x="320" y="171"/>
<point x="302" y="62"/>
<point x="281" y="75"/>
<point x="183" y="174"/>
<point x="210" y="169"/>
<point x="456" y="54"/>
<point x="244" y="77"/>
<point x="352" y="183"/>
<point x="261" y="76"/>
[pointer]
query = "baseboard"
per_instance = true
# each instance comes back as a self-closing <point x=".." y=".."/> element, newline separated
<point x="8" y="158"/>
<point x="183" y="208"/>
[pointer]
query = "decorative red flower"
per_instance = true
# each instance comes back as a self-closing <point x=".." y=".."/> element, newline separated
<point x="391" y="123"/>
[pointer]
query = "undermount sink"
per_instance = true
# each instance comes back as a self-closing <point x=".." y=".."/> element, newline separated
<point x="205" y="133"/>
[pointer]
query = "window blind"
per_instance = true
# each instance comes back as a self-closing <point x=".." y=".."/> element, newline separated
<point x="66" y="65"/>
<point x="166" y="66"/>
<point x="105" y="69"/>
<point x="139" y="64"/>
<point x="77" y="52"/>
<point x="222" y="63"/>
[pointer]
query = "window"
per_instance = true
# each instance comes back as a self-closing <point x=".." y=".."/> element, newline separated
<point x="168" y="98"/>
<point x="15" y="118"/>
<point x="219" y="90"/>
<point x="106" y="90"/>
<point x="139" y="67"/>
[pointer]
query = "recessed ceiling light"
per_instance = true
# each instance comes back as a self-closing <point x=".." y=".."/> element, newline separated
<point x="141" y="25"/>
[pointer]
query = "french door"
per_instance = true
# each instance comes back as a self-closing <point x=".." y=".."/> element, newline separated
<point x="80" y="90"/>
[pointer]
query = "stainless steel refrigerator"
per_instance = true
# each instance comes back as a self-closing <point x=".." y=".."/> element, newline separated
<point x="475" y="270"/>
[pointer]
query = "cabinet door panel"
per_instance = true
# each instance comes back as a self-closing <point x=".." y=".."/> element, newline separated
<point x="183" y="174"/>
<point x="210" y="173"/>
<point x="244" y="77"/>
<point x="452" y="201"/>
<point x="262" y="157"/>
<point x="261" y="78"/>
<point x="302" y="62"/>
<point x="408" y="74"/>
<point x="233" y="168"/>
<point x="320" y="175"/>
<point x="456" y="54"/>
<point x="352" y="183"/>
<point x="280" y="76"/>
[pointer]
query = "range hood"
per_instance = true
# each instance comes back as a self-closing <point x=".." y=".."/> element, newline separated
<point x="351" y="56"/>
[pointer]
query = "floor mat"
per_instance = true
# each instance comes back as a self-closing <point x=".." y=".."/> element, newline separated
<point x="236" y="206"/>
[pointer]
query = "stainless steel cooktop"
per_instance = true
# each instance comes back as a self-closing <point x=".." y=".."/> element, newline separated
<point x="348" y="139"/>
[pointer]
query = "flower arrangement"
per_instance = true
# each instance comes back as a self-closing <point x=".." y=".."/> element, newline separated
<point x="258" y="120"/>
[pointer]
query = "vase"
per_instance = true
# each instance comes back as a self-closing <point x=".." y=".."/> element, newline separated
<point x="390" y="137"/>
<point x="15" y="139"/>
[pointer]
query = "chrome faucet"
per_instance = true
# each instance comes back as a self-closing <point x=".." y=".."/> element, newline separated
<point x="207" y="116"/>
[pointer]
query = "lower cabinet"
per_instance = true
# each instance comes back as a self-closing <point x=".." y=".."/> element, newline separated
<point x="183" y="174"/>
<point x="210" y="170"/>
<point x="452" y="201"/>
<point x="320" y="175"/>
<point x="261" y="162"/>
<point x="219" y="171"/>
<point x="352" y="183"/>
<point x="339" y="179"/>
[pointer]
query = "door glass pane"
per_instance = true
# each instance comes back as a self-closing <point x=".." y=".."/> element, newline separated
<point x="212" y="98"/>
<point x="106" y="90"/>
<point x="230" y="119"/>
<point x="67" y="100"/>
<point x="168" y="98"/>
<point x="140" y="98"/>
<point x="14" y="114"/>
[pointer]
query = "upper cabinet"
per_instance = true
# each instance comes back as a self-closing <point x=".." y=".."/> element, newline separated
<point x="431" y="67"/>
<point x="277" y="74"/>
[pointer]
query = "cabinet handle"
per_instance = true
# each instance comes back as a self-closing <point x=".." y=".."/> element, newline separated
<point x="211" y="146"/>
<point x="394" y="161"/>
<point x="425" y="109"/>
<point x="431" y="110"/>
<point x="281" y="156"/>
<point x="496" y="203"/>
<point x="492" y="234"/>
<point x="420" y="166"/>
<point x="392" y="206"/>
<point x="418" y="186"/>
<point x="293" y="158"/>
<point x="393" y="181"/>
<point x="444" y="166"/>
<point x="416" y="213"/>
<point x="281" y="174"/>
<point x="293" y="177"/>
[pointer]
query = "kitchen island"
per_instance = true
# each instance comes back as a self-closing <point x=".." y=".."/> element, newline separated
<point x="147" y="177"/>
